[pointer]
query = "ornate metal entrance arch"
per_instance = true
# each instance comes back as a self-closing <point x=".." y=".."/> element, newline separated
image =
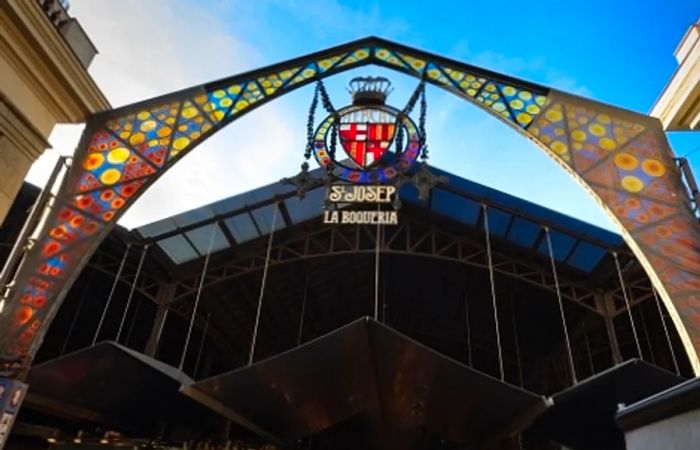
<point x="620" y="157"/>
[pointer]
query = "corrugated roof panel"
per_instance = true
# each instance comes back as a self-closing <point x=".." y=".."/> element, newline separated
<point x="586" y="256"/>
<point x="307" y="208"/>
<point x="455" y="207"/>
<point x="263" y="217"/>
<point x="561" y="245"/>
<point x="242" y="227"/>
<point x="524" y="232"/>
<point x="200" y="238"/>
<point x="178" y="249"/>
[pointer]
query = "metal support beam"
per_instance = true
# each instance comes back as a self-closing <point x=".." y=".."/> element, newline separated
<point x="606" y="306"/>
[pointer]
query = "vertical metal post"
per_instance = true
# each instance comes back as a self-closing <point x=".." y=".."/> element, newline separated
<point x="606" y="306"/>
<point x="489" y="257"/>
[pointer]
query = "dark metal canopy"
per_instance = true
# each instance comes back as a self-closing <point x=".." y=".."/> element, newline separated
<point x="368" y="368"/>
<point x="583" y="416"/>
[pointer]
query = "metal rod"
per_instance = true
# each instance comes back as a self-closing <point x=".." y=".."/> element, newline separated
<point x="627" y="302"/>
<point x="469" y="332"/>
<point x="83" y="296"/>
<point x="493" y="292"/>
<point x="588" y="349"/>
<point x="645" y="330"/>
<point x="303" y="311"/>
<point x="517" y="342"/>
<point x="201" y="346"/>
<point x="19" y="248"/>
<point x="111" y="293"/>
<point x="197" y="297"/>
<point x="131" y="291"/>
<point x="262" y="286"/>
<point x="561" y="305"/>
<point x="668" y="336"/>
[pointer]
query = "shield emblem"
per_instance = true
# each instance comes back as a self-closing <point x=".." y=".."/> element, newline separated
<point x="365" y="143"/>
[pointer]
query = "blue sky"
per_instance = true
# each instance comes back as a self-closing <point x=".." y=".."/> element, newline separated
<point x="618" y="52"/>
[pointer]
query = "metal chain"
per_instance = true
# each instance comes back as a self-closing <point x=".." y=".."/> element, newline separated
<point x="310" y="124"/>
<point x="421" y="125"/>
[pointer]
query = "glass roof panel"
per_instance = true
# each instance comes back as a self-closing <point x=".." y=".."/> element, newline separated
<point x="586" y="256"/>
<point x="156" y="228"/>
<point x="307" y="208"/>
<point x="242" y="227"/>
<point x="178" y="249"/>
<point x="524" y="232"/>
<point x="200" y="238"/>
<point x="498" y="221"/>
<point x="561" y="245"/>
<point x="455" y="207"/>
<point x="263" y="218"/>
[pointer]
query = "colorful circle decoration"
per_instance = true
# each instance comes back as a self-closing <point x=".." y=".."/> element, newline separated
<point x="366" y="134"/>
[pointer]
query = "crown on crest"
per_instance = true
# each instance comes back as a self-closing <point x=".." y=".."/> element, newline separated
<point x="369" y="90"/>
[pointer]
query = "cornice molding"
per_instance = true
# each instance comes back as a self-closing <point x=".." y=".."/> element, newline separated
<point x="47" y="63"/>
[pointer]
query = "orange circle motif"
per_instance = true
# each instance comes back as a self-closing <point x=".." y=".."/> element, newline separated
<point x="626" y="161"/>
<point x="93" y="161"/>
<point x="653" y="167"/>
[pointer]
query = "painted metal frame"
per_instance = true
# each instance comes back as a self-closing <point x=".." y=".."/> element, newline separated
<point x="621" y="158"/>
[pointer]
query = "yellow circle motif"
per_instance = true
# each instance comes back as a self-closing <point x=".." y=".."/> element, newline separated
<point x="597" y="129"/>
<point x="180" y="143"/>
<point x="471" y="92"/>
<point x="509" y="91"/>
<point x="490" y="87"/>
<point x="626" y="161"/>
<point x="226" y="102"/>
<point x="533" y="109"/>
<point x="603" y="118"/>
<point x="559" y="131"/>
<point x="189" y="112"/>
<point x="553" y="115"/>
<point x="653" y="168"/>
<point x="525" y="95"/>
<point x="434" y="73"/>
<point x="516" y="104"/>
<point x="607" y="144"/>
<point x="235" y="89"/>
<point x="137" y="138"/>
<point x="219" y="93"/>
<point x="143" y="115"/>
<point x="148" y="125"/>
<point x="118" y="155"/>
<point x="241" y="104"/>
<point x="578" y="135"/>
<point x="632" y="184"/>
<point x="110" y="176"/>
<point x="218" y="115"/>
<point x="558" y="147"/>
<point x="499" y="106"/>
<point x="524" y="118"/>
<point x="540" y="100"/>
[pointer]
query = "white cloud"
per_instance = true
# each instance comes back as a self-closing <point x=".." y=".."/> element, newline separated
<point x="141" y="58"/>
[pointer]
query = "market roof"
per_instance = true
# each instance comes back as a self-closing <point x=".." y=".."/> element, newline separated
<point x="248" y="216"/>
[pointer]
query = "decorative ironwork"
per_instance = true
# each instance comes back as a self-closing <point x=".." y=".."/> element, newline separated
<point x="621" y="157"/>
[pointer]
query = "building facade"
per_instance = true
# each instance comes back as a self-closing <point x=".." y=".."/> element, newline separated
<point x="44" y="56"/>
